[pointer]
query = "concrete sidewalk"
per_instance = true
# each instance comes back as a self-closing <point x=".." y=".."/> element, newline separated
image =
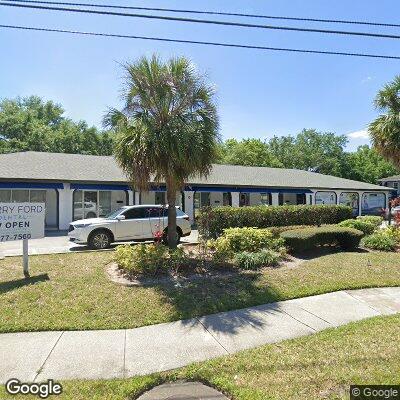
<point x="122" y="353"/>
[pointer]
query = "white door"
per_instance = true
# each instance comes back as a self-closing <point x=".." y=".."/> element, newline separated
<point x="132" y="226"/>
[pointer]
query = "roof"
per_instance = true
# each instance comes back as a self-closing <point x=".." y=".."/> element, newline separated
<point x="63" y="167"/>
<point x="390" y="178"/>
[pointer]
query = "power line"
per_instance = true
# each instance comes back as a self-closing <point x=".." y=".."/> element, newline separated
<point x="202" y="21"/>
<point x="219" y="44"/>
<point x="223" y="13"/>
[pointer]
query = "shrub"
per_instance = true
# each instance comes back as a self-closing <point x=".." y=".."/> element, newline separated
<point x="148" y="259"/>
<point x="362" y="225"/>
<point x="252" y="261"/>
<point x="308" y="238"/>
<point x="372" y="219"/>
<point x="380" y="241"/>
<point x="277" y="230"/>
<point x="213" y="221"/>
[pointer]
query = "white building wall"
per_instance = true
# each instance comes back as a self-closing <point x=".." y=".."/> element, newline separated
<point x="65" y="206"/>
<point x="189" y="205"/>
<point x="51" y="208"/>
<point x="118" y="199"/>
<point x="147" y="198"/>
<point x="235" y="199"/>
<point x="216" y="199"/>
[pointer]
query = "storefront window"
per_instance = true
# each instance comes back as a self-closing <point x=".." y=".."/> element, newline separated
<point x="37" y="196"/>
<point x="373" y="203"/>
<point x="78" y="209"/>
<point x="20" y="196"/>
<point x="5" y="196"/>
<point x="159" y="198"/>
<point x="350" y="199"/>
<point x="244" y="199"/>
<point x="265" y="199"/>
<point x="323" y="198"/>
<point x="104" y="203"/>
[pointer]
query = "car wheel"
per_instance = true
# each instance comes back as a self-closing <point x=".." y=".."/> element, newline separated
<point x="99" y="240"/>
<point x="165" y="237"/>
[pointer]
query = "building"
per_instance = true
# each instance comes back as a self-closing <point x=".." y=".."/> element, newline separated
<point x="392" y="182"/>
<point x="77" y="186"/>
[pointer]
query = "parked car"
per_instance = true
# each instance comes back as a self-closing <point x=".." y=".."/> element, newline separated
<point x="141" y="222"/>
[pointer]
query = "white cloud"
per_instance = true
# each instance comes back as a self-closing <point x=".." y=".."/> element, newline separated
<point x="362" y="134"/>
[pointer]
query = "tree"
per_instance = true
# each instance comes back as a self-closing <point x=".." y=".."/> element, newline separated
<point x="252" y="152"/>
<point x="367" y="165"/>
<point x="167" y="129"/>
<point x="385" y="129"/>
<point x="31" y="123"/>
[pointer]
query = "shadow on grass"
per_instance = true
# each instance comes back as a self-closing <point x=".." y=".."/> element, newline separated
<point x="19" y="283"/>
<point x="322" y="251"/>
<point x="211" y="296"/>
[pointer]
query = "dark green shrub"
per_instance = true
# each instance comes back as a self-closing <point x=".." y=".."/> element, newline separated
<point x="277" y="230"/>
<point x="213" y="221"/>
<point x="381" y="240"/>
<point x="308" y="238"/>
<point x="251" y="261"/>
<point x="362" y="225"/>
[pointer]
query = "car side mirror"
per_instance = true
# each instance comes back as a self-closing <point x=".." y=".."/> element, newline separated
<point x="120" y="217"/>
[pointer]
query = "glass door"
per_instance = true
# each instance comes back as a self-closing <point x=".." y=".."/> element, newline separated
<point x="104" y="203"/>
<point x="89" y="204"/>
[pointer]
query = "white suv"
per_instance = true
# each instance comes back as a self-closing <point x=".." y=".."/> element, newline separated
<point x="126" y="224"/>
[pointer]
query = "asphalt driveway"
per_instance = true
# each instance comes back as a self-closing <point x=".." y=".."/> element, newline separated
<point x="57" y="242"/>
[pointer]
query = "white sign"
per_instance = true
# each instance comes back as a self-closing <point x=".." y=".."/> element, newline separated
<point x="19" y="221"/>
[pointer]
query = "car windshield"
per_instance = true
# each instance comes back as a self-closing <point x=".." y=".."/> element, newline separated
<point x="113" y="214"/>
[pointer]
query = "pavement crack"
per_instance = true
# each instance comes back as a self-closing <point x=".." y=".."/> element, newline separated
<point x="212" y="335"/>
<point x="48" y="356"/>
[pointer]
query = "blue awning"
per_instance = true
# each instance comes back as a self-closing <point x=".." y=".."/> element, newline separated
<point x="30" y="185"/>
<point x="88" y="186"/>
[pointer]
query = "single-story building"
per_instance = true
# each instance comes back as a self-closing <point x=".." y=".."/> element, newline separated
<point x="392" y="182"/>
<point x="75" y="186"/>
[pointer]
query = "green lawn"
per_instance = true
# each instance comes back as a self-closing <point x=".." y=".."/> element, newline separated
<point x="320" y="366"/>
<point x="72" y="291"/>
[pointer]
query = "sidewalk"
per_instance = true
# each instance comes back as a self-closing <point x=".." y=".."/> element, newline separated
<point x="36" y="356"/>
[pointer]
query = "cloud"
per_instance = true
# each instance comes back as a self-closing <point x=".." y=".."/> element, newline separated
<point x="367" y="79"/>
<point x="362" y="134"/>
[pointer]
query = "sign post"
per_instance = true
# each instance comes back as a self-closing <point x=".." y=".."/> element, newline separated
<point x="22" y="221"/>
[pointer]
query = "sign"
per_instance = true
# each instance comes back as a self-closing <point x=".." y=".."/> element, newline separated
<point x="21" y="221"/>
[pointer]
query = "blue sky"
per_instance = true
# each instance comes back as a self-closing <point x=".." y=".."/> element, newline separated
<point x="260" y="94"/>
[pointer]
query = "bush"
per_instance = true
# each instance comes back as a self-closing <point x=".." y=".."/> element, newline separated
<point x="213" y="221"/>
<point x="372" y="219"/>
<point x="237" y="240"/>
<point x="251" y="261"/>
<point x="308" y="238"/>
<point x="380" y="240"/>
<point x="362" y="225"/>
<point x="148" y="259"/>
<point x="277" y="230"/>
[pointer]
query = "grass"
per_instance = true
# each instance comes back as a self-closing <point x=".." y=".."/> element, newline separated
<point x="320" y="366"/>
<point x="72" y="291"/>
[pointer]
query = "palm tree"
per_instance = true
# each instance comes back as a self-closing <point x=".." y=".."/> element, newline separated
<point x="167" y="129"/>
<point x="385" y="130"/>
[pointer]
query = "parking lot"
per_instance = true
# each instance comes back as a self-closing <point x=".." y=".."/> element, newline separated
<point x="57" y="242"/>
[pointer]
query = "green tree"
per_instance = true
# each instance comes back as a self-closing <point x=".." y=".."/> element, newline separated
<point x="167" y="129"/>
<point x="31" y="123"/>
<point x="385" y="129"/>
<point x="252" y="152"/>
<point x="367" y="165"/>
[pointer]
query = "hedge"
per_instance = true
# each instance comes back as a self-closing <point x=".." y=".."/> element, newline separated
<point x="308" y="238"/>
<point x="212" y="221"/>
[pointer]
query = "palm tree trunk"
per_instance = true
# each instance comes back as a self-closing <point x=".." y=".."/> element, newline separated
<point x="171" y="198"/>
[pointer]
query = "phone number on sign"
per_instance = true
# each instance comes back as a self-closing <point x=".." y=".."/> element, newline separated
<point x="17" y="236"/>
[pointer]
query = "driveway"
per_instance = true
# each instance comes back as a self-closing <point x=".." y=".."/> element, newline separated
<point x="57" y="242"/>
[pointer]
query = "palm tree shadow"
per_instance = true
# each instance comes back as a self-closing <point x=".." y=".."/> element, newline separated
<point x="211" y="297"/>
<point x="18" y="283"/>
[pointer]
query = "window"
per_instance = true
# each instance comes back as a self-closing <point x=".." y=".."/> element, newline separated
<point x="20" y="196"/>
<point x="265" y="199"/>
<point x="350" y="199"/>
<point x="373" y="203"/>
<point x="5" y="196"/>
<point x="104" y="203"/>
<point x="322" y="198"/>
<point x="244" y="199"/>
<point x="135" y="213"/>
<point x="37" y="196"/>
<point x="78" y="209"/>
<point x="395" y="185"/>
<point x="159" y="198"/>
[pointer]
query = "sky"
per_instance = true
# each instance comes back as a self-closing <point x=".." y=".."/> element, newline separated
<point x="259" y="93"/>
